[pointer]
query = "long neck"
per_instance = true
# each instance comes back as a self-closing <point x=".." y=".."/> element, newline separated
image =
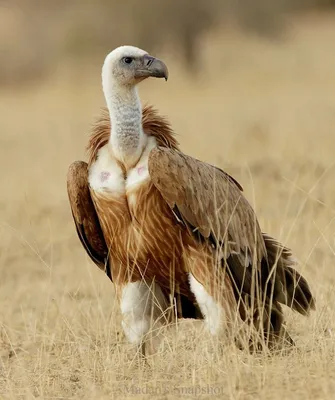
<point x="127" y="137"/>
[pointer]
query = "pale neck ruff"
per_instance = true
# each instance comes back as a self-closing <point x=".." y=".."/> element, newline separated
<point x="127" y="139"/>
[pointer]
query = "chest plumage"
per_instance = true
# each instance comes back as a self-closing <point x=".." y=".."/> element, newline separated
<point x="143" y="237"/>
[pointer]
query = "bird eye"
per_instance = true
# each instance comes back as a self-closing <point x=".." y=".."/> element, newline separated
<point x="128" y="60"/>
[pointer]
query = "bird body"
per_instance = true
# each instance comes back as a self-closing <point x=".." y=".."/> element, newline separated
<point x="172" y="232"/>
<point x="138" y="224"/>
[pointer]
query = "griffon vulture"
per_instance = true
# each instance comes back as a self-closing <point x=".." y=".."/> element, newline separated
<point x="170" y="231"/>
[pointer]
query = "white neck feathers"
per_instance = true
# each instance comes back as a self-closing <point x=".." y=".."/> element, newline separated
<point x="127" y="139"/>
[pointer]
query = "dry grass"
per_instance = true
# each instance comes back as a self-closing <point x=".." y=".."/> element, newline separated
<point x="263" y="111"/>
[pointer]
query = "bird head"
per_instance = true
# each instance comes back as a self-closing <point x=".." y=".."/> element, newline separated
<point x="128" y="65"/>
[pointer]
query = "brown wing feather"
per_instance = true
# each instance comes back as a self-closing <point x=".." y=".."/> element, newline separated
<point x="209" y="199"/>
<point x="291" y="288"/>
<point x="212" y="203"/>
<point x="85" y="217"/>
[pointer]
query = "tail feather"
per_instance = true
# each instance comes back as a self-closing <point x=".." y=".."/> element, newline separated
<point x="290" y="288"/>
<point x="261" y="295"/>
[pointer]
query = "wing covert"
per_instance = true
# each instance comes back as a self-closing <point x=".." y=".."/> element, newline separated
<point x="208" y="199"/>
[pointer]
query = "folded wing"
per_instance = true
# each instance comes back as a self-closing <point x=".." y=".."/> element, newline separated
<point x="211" y="205"/>
<point x="85" y="216"/>
<point x="209" y="200"/>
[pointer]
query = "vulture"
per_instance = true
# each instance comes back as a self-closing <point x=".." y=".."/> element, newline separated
<point x="175" y="235"/>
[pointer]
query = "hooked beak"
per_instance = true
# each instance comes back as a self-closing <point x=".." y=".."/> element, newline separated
<point x="152" y="67"/>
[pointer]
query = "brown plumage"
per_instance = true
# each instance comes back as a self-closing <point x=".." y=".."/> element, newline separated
<point x="189" y="217"/>
<point x="85" y="216"/>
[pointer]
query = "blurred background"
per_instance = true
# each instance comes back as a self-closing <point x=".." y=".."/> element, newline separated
<point x="251" y="89"/>
<point x="37" y="35"/>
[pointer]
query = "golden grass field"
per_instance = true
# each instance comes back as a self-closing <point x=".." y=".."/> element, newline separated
<point x="263" y="111"/>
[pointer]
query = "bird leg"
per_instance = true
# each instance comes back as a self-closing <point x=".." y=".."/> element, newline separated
<point x="144" y="311"/>
<point x="219" y="309"/>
